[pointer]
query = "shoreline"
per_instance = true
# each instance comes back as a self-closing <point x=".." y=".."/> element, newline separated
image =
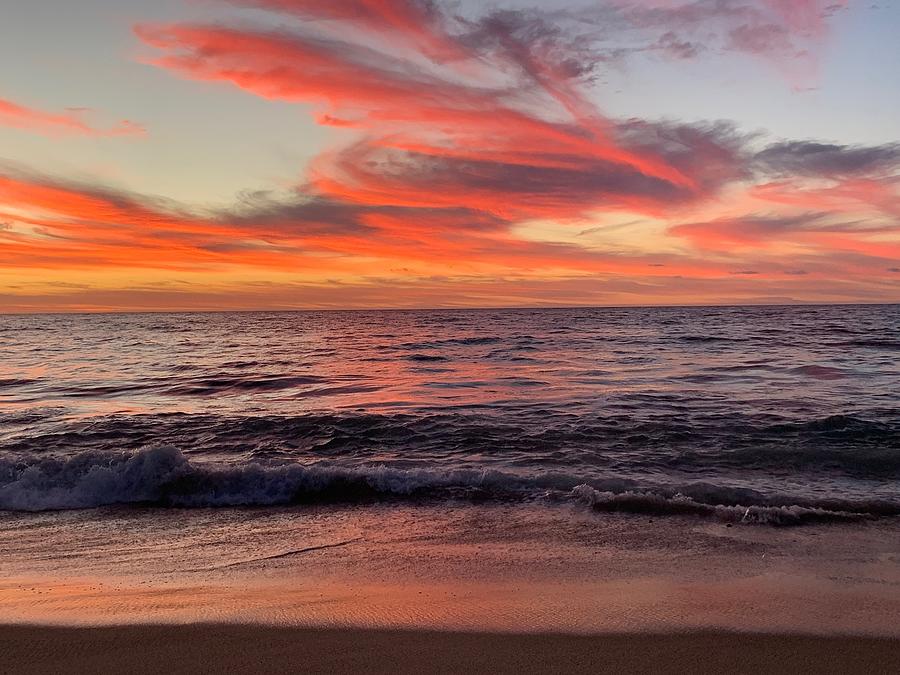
<point x="495" y="568"/>
<point x="254" y="648"/>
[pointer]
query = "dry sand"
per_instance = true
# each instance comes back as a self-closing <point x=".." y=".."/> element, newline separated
<point x="210" y="648"/>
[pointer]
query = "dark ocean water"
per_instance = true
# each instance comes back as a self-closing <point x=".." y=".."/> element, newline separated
<point x="754" y="414"/>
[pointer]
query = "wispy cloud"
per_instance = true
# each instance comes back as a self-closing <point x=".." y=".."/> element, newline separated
<point x="465" y="135"/>
<point x="71" y="122"/>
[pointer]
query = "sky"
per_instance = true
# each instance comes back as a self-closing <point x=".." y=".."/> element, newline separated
<point x="288" y="154"/>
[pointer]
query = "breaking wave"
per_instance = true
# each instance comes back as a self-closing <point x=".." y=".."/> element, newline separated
<point x="163" y="476"/>
<point x="681" y="504"/>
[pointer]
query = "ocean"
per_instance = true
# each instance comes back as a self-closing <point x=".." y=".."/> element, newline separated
<point x="574" y="470"/>
<point x="780" y="415"/>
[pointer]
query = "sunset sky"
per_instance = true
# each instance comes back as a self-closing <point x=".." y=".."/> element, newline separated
<point x="277" y="154"/>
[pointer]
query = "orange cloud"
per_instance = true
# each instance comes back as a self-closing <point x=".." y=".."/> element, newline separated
<point x="62" y="226"/>
<point x="812" y="230"/>
<point x="842" y="196"/>
<point x="461" y="132"/>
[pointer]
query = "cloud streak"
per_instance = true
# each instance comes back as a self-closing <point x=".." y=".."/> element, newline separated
<point x="474" y="151"/>
<point x="69" y="123"/>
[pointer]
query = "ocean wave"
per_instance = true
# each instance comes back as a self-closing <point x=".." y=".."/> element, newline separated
<point x="451" y="342"/>
<point x="872" y="343"/>
<point x="224" y="383"/>
<point x="680" y="504"/>
<point x="16" y="381"/>
<point x="163" y="476"/>
<point x="709" y="338"/>
<point x="538" y="436"/>
<point x="842" y="426"/>
<point x="819" y="372"/>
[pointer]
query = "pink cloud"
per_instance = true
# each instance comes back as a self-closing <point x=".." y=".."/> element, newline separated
<point x="71" y="122"/>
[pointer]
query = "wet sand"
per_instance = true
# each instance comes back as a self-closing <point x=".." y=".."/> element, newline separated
<point x="455" y="588"/>
<point x="211" y="648"/>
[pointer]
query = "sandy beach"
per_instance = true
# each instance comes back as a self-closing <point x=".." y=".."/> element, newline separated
<point x="449" y="336"/>
<point x="261" y="649"/>
<point x="475" y="589"/>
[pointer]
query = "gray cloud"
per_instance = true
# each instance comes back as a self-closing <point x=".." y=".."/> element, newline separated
<point x="809" y="158"/>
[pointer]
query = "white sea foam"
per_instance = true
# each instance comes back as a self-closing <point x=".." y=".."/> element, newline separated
<point x="659" y="504"/>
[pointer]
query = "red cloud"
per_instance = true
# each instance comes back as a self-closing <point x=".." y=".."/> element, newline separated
<point x="419" y="120"/>
<point x="70" y="123"/>
<point x="805" y="17"/>
<point x="464" y="132"/>
<point x="511" y="133"/>
<point x="844" y="195"/>
<point x="814" y="232"/>
<point x="788" y="33"/>
<point x="417" y="22"/>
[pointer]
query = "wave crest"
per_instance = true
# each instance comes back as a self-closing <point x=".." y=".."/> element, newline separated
<point x="164" y="476"/>
<point x="680" y="504"/>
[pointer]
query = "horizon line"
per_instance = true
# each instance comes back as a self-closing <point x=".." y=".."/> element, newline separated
<point x="101" y="312"/>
